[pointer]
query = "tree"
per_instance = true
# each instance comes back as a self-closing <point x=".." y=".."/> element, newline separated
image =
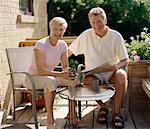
<point x="129" y="17"/>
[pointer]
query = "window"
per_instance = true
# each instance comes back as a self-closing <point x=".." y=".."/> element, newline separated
<point x="26" y="7"/>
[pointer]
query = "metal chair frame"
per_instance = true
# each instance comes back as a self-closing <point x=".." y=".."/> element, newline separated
<point x="20" y="71"/>
<point x="19" y="60"/>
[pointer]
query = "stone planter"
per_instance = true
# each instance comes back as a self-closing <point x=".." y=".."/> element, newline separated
<point x="138" y="70"/>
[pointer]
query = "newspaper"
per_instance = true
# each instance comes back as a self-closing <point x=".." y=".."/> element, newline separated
<point x="102" y="68"/>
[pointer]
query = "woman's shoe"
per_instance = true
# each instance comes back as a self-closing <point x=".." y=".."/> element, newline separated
<point x="80" y="124"/>
<point x="51" y="126"/>
<point x="77" y="123"/>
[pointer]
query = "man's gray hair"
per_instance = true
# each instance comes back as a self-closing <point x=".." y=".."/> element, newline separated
<point x="98" y="11"/>
<point x="58" y="21"/>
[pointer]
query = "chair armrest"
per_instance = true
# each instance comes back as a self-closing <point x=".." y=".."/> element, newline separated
<point x="80" y="68"/>
<point x="28" y="75"/>
<point x="58" y="68"/>
<point x="33" y="87"/>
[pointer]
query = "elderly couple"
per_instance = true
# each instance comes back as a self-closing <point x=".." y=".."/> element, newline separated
<point x="98" y="44"/>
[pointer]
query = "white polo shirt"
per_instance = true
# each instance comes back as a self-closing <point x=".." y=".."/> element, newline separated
<point x="99" y="50"/>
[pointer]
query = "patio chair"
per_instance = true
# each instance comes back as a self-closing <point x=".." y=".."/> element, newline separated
<point x="19" y="60"/>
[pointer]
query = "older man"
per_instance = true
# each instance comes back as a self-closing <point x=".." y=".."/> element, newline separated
<point x="100" y="44"/>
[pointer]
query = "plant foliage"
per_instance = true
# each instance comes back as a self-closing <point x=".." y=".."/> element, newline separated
<point x="129" y="17"/>
<point x="139" y="47"/>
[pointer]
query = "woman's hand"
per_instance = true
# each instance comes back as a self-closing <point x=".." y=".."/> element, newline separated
<point x="66" y="75"/>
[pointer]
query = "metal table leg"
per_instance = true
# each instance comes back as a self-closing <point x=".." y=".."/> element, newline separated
<point x="93" y="119"/>
<point x="79" y="109"/>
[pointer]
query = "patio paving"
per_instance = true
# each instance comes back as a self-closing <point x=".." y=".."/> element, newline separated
<point x="136" y="120"/>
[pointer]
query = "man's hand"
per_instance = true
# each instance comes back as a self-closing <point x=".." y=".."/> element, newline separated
<point x="113" y="68"/>
<point x="119" y="65"/>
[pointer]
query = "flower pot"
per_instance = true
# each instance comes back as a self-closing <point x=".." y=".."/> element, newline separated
<point x="138" y="70"/>
<point x="40" y="101"/>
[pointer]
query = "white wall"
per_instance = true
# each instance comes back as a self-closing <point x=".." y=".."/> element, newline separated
<point x="13" y="30"/>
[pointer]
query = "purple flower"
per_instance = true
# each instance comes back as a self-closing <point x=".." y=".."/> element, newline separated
<point x="136" y="57"/>
<point x="134" y="53"/>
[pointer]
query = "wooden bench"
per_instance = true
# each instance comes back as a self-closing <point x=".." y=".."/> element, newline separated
<point x="27" y="43"/>
<point x="32" y="41"/>
<point x="65" y="37"/>
<point x="146" y="86"/>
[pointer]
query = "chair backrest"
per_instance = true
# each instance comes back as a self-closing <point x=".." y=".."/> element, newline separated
<point x="19" y="60"/>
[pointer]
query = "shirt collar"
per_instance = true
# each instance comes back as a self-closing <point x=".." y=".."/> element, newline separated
<point x="105" y="37"/>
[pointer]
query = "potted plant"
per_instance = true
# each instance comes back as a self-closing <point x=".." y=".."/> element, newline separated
<point x="139" y="47"/>
<point x="138" y="68"/>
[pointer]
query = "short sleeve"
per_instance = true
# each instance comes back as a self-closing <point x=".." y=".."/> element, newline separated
<point x="40" y="46"/>
<point x="120" y="48"/>
<point x="65" y="47"/>
<point x="76" y="46"/>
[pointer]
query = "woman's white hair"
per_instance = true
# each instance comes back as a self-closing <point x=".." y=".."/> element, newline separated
<point x="98" y="11"/>
<point x="57" y="21"/>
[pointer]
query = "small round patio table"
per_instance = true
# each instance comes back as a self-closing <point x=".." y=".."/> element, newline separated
<point x="81" y="93"/>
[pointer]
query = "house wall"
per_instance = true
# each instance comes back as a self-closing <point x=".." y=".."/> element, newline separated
<point x="14" y="28"/>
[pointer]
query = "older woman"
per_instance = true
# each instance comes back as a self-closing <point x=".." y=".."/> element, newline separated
<point x="48" y="53"/>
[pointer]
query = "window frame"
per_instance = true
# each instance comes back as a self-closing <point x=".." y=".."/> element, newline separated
<point x="26" y="7"/>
